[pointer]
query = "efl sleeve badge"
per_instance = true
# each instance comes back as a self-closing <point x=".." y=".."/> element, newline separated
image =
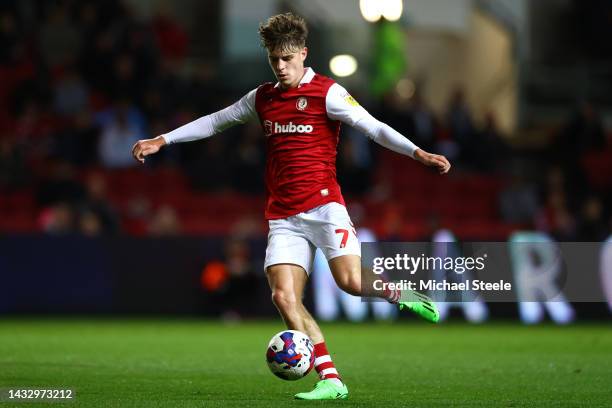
<point x="350" y="100"/>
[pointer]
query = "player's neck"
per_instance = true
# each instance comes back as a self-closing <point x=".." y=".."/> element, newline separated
<point x="297" y="84"/>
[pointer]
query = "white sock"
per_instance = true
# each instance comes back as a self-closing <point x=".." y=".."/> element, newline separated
<point x="336" y="381"/>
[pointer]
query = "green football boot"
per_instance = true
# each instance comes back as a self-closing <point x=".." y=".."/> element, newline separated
<point x="419" y="304"/>
<point x="324" y="390"/>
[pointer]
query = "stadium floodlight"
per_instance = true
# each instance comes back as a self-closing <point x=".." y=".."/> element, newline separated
<point x="370" y="10"/>
<point x="392" y="9"/>
<point x="343" y="65"/>
<point x="373" y="10"/>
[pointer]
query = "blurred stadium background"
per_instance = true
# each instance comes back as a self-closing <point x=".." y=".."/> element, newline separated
<point x="517" y="93"/>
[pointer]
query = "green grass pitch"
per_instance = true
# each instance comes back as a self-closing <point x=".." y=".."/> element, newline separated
<point x="190" y="363"/>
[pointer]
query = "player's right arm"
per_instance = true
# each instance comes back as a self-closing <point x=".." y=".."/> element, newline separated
<point x="206" y="126"/>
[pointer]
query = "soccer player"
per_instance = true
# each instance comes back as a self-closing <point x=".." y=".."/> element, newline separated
<point x="300" y="116"/>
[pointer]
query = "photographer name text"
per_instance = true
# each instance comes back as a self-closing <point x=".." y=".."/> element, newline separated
<point x="443" y="285"/>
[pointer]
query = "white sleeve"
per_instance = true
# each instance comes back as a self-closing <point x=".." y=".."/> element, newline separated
<point x="343" y="107"/>
<point x="206" y="126"/>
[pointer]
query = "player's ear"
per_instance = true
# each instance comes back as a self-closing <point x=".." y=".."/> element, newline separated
<point x="304" y="53"/>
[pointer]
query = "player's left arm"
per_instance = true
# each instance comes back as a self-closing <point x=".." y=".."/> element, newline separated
<point x="343" y="107"/>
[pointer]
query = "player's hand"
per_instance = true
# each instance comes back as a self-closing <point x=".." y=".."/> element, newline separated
<point x="433" y="160"/>
<point x="146" y="147"/>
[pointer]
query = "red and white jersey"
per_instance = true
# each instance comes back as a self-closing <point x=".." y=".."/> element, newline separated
<point x="301" y="127"/>
<point x="301" y="143"/>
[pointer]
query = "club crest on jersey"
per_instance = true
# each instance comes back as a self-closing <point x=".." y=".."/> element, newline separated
<point x="301" y="103"/>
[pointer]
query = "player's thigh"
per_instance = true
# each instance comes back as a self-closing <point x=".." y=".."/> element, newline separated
<point x="287" y="281"/>
<point x="346" y="270"/>
<point x="329" y="228"/>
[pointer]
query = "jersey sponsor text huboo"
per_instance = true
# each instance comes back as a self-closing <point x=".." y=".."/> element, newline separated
<point x="291" y="128"/>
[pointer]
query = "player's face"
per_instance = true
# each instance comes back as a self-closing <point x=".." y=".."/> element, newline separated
<point x="288" y="66"/>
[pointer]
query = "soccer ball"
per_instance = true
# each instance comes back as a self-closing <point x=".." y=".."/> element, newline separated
<point x="290" y="355"/>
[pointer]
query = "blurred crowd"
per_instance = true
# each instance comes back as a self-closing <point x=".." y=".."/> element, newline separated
<point x="82" y="81"/>
<point x="562" y="187"/>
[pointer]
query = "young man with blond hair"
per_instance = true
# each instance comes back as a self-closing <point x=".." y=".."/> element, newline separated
<point x="300" y="116"/>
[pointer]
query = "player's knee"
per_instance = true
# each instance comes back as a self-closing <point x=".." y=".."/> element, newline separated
<point x="351" y="284"/>
<point x="284" y="300"/>
<point x="354" y="287"/>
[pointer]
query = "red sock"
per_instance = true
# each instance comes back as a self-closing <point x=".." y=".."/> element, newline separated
<point x="323" y="363"/>
<point x="392" y="296"/>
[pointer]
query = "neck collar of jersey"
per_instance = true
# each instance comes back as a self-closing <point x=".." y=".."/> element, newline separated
<point x="308" y="75"/>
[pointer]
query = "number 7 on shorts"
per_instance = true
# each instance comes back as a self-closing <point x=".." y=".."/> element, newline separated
<point x="345" y="234"/>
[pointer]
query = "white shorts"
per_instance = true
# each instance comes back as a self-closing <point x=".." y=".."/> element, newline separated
<point x="294" y="240"/>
